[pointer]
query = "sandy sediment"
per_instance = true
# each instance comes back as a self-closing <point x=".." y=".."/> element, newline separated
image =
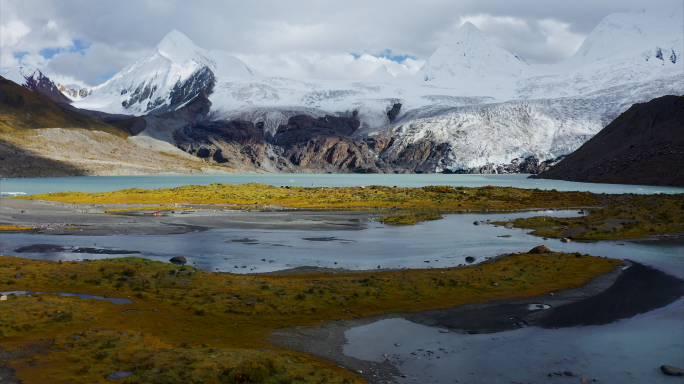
<point x="57" y="218"/>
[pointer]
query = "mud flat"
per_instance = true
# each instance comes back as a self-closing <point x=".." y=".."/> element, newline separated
<point x="56" y="218"/>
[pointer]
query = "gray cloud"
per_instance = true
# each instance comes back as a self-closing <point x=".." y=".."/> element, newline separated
<point x="302" y="38"/>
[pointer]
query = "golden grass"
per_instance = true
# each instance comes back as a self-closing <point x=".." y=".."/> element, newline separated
<point x="410" y="218"/>
<point x="260" y="195"/>
<point x="195" y="309"/>
<point x="13" y="228"/>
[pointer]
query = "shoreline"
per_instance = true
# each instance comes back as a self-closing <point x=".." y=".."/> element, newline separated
<point x="327" y="340"/>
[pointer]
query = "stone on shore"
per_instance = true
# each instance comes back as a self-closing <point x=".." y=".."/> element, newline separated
<point x="118" y="375"/>
<point x="672" y="371"/>
<point x="565" y="240"/>
<point x="540" y="249"/>
<point x="179" y="260"/>
<point x="508" y="225"/>
<point x="470" y="259"/>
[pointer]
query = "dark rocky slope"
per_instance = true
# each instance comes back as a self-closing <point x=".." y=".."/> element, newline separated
<point x="21" y="108"/>
<point x="644" y="145"/>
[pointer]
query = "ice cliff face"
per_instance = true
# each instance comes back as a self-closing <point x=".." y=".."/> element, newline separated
<point x="473" y="106"/>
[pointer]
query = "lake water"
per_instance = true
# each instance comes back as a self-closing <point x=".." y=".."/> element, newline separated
<point x="629" y="351"/>
<point x="112" y="183"/>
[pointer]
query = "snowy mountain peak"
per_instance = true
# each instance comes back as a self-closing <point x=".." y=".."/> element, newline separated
<point x="469" y="54"/>
<point x="177" y="47"/>
<point x="623" y="34"/>
<point x="33" y="79"/>
<point x="380" y="74"/>
<point x="20" y="74"/>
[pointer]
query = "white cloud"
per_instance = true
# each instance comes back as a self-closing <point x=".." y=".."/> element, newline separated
<point x="327" y="66"/>
<point x="295" y="38"/>
<point x="537" y="41"/>
<point x="12" y="32"/>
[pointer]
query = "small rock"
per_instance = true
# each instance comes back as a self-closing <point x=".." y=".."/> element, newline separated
<point x="172" y="272"/>
<point x="672" y="371"/>
<point x="476" y="223"/>
<point x="565" y="240"/>
<point x="3" y="298"/>
<point x="397" y="344"/>
<point x="495" y="284"/>
<point x="508" y="225"/>
<point x="539" y="250"/>
<point x="568" y="373"/>
<point x="443" y="331"/>
<point x="77" y="337"/>
<point x="118" y="375"/>
<point x="18" y="276"/>
<point x="179" y="260"/>
<point x="469" y="259"/>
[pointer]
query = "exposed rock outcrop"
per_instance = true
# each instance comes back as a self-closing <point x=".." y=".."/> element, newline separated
<point x="304" y="144"/>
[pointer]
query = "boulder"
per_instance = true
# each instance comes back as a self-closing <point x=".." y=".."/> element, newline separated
<point x="3" y="298"/>
<point x="565" y="240"/>
<point x="540" y="249"/>
<point x="118" y="375"/>
<point x="508" y="225"/>
<point x="672" y="371"/>
<point x="476" y="223"/>
<point x="178" y="260"/>
<point x="470" y="259"/>
<point x="18" y="276"/>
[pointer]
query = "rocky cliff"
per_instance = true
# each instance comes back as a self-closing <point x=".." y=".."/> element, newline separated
<point x="644" y="145"/>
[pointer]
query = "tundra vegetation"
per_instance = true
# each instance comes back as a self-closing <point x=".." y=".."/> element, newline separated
<point x="213" y="327"/>
<point x="622" y="217"/>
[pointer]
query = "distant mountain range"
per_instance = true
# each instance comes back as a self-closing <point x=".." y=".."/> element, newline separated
<point x="472" y="108"/>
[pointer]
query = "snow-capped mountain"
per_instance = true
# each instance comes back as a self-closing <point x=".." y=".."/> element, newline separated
<point x="173" y="74"/>
<point x="35" y="80"/>
<point x="472" y="106"/>
<point x="469" y="56"/>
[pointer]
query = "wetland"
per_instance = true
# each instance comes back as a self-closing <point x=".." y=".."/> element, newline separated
<point x="289" y="283"/>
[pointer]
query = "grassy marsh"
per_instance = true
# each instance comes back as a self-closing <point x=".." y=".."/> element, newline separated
<point x="212" y="324"/>
<point x="623" y="217"/>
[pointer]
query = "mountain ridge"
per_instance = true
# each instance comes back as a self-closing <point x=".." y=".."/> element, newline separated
<point x="644" y="145"/>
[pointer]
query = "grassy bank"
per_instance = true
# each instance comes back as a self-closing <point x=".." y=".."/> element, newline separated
<point x="208" y="327"/>
<point x="625" y="217"/>
<point x="261" y="195"/>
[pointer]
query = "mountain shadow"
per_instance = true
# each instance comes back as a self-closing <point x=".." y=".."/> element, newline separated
<point x="20" y="162"/>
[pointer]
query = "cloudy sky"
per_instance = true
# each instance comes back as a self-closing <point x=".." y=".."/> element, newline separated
<point x="85" y="42"/>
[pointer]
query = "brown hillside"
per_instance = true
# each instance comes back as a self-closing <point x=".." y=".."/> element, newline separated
<point x="21" y="108"/>
<point x="644" y="145"/>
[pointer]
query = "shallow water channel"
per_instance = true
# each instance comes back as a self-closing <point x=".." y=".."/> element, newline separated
<point x="436" y="244"/>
